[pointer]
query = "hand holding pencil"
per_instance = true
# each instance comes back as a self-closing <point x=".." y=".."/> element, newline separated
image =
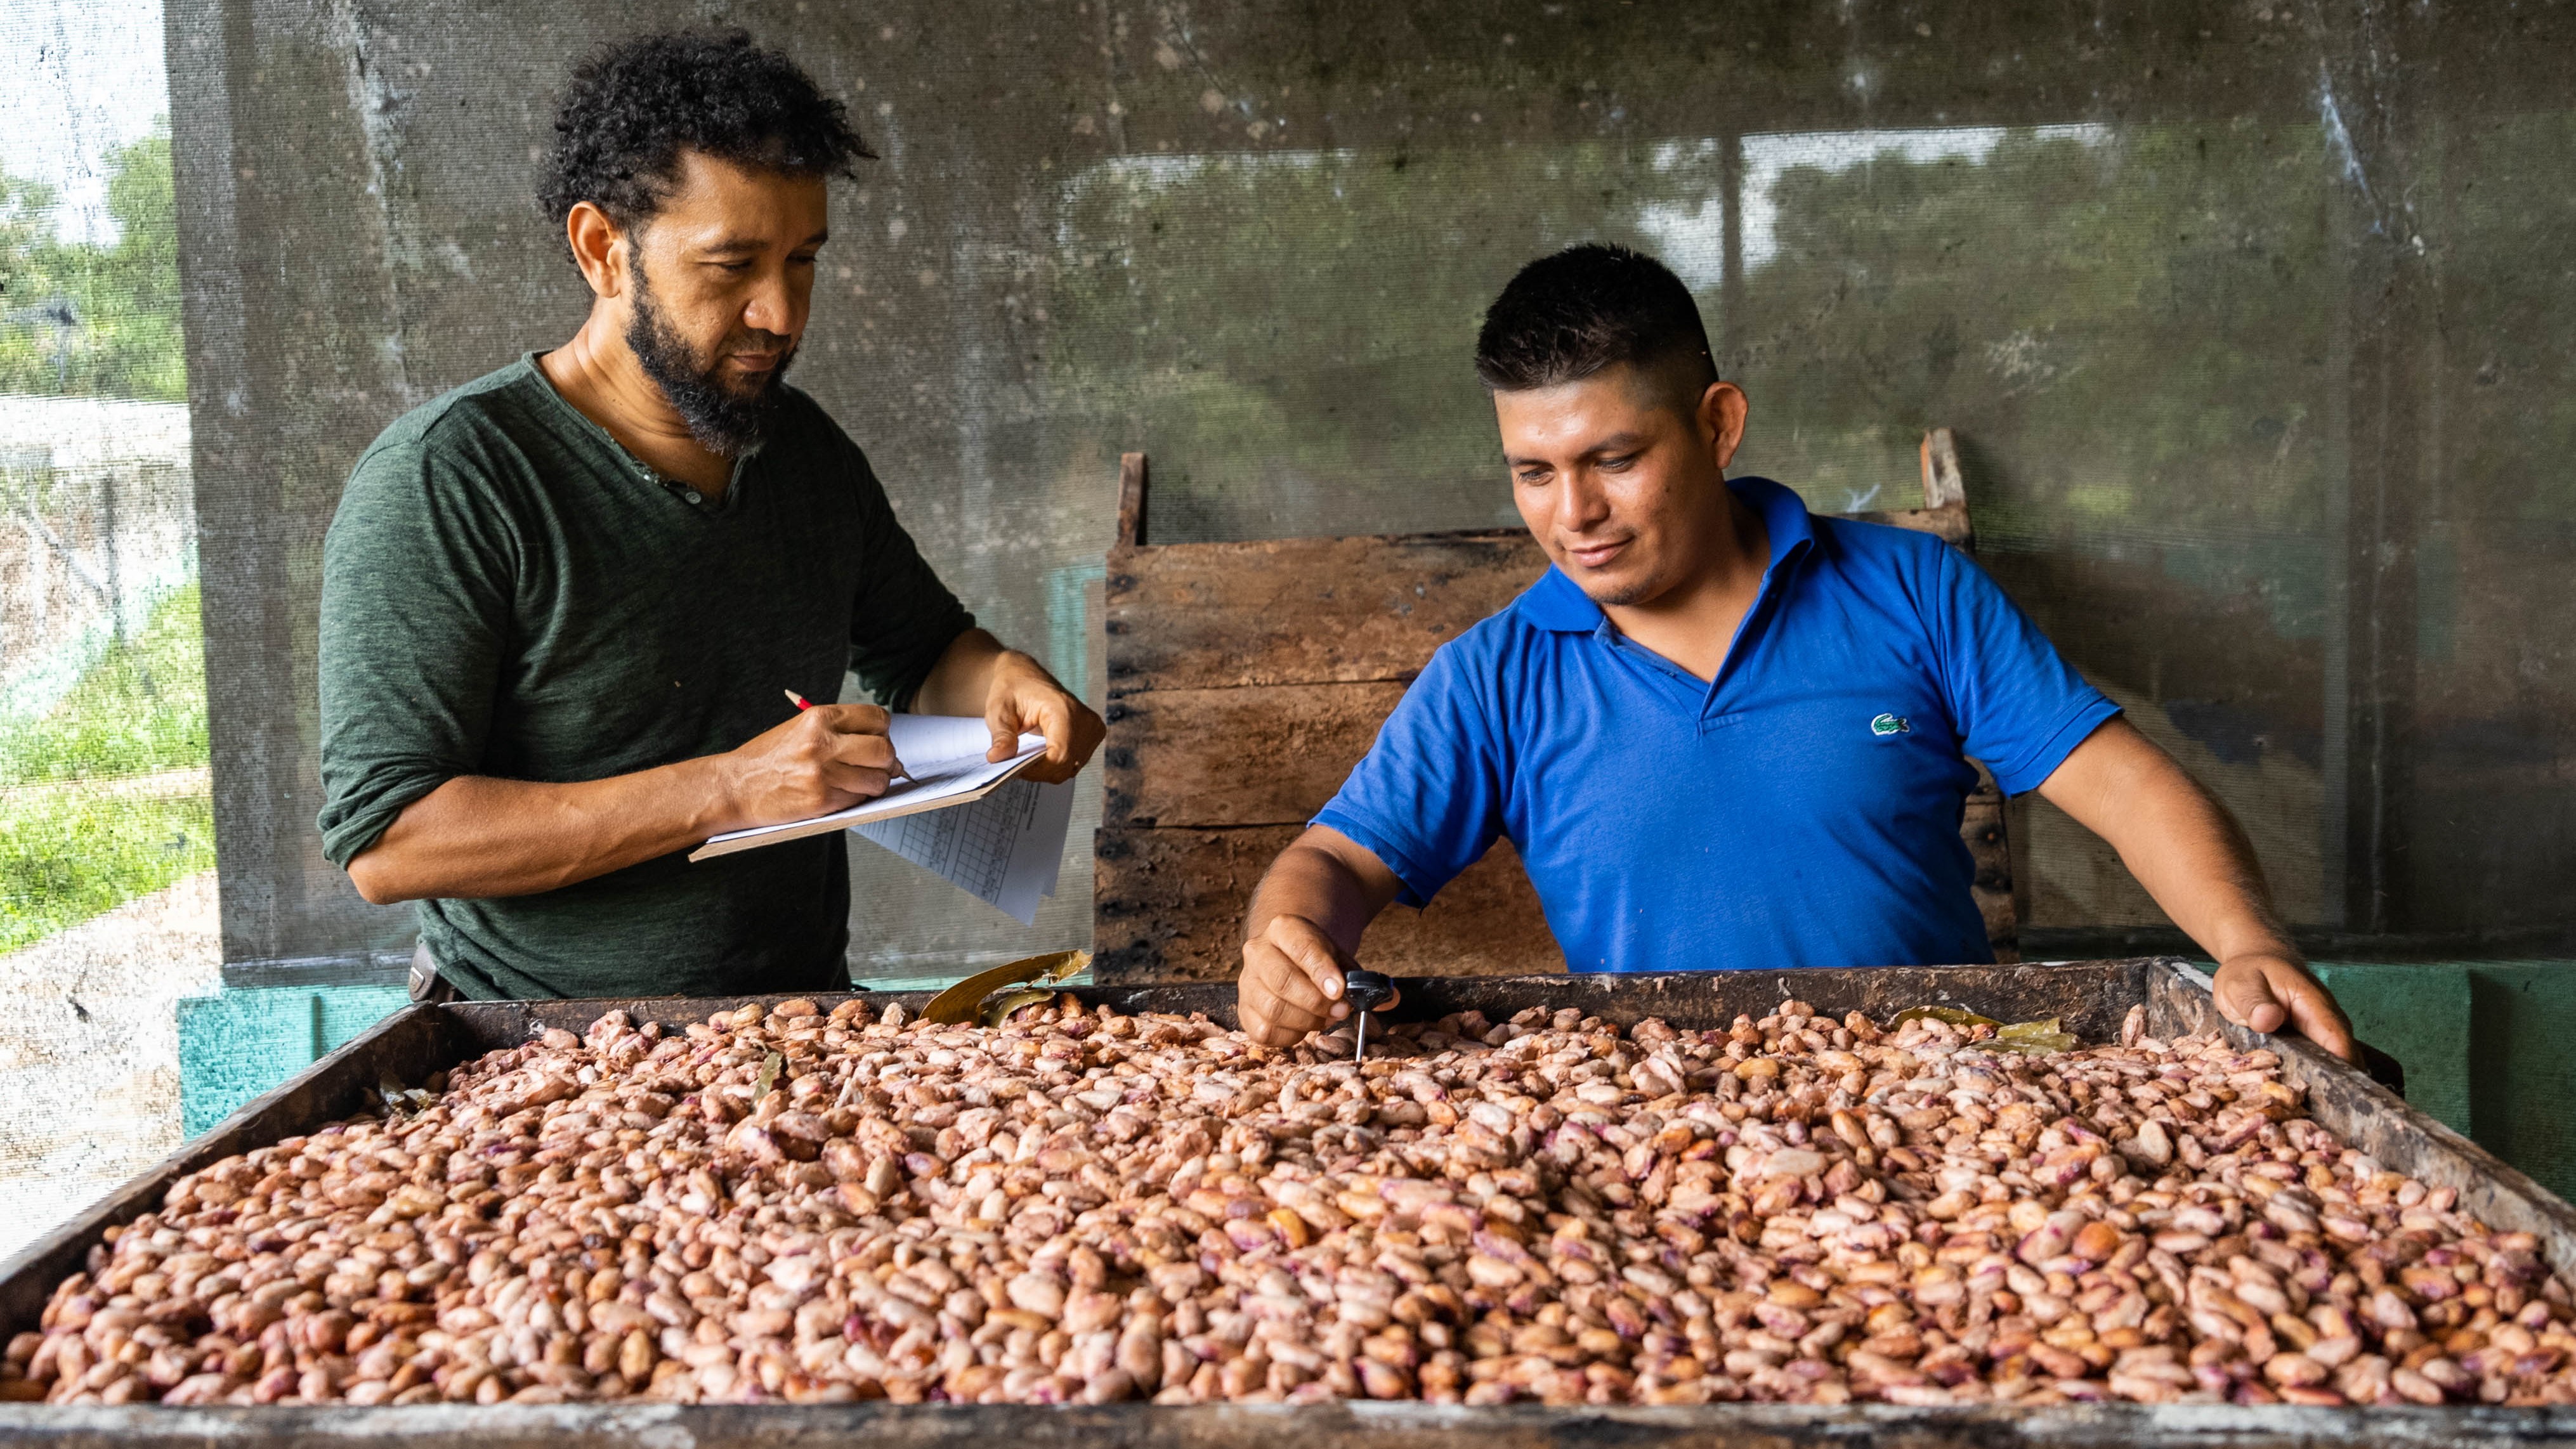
<point x="802" y="704"/>
<point x="826" y="757"/>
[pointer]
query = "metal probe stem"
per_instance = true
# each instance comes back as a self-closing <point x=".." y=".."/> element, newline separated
<point x="1363" y="990"/>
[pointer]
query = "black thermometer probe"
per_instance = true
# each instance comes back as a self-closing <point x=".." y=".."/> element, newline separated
<point x="1365" y="990"/>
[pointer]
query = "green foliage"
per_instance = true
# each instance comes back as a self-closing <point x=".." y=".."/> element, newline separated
<point x="74" y="841"/>
<point x="68" y="853"/>
<point x="140" y="709"/>
<point x="122" y="339"/>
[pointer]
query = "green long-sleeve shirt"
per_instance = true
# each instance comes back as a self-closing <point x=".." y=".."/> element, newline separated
<point x="507" y="592"/>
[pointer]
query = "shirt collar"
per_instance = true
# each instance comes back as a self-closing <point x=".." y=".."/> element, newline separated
<point x="1556" y="603"/>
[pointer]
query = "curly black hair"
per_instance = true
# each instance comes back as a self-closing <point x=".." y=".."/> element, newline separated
<point x="1589" y="308"/>
<point x="633" y="106"/>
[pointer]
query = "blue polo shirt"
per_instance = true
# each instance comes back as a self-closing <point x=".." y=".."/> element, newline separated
<point x="1802" y="809"/>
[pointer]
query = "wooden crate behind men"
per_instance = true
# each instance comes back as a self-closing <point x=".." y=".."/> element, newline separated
<point x="1246" y="679"/>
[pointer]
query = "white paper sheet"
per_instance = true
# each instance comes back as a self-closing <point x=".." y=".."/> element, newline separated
<point x="1004" y="849"/>
<point x="944" y="763"/>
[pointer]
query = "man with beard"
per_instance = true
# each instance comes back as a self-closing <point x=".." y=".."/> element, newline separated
<point x="562" y="606"/>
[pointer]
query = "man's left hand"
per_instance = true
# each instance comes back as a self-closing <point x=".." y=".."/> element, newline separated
<point x="2264" y="991"/>
<point x="1024" y="699"/>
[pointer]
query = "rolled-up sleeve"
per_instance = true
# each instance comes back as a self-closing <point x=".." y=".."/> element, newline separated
<point x="415" y="615"/>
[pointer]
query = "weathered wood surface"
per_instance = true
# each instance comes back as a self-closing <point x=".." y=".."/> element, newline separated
<point x="1360" y="1425"/>
<point x="1131" y="499"/>
<point x="1302" y="610"/>
<point x="1181" y="848"/>
<point x="1289" y="747"/>
<point x="1981" y="825"/>
<point x="1167" y="904"/>
<point x="1944" y="486"/>
<point x="1312" y="610"/>
<point x="1950" y="523"/>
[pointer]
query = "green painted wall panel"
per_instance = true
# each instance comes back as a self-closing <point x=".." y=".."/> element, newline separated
<point x="2419" y="1014"/>
<point x="2522" y="1075"/>
<point x="237" y="1044"/>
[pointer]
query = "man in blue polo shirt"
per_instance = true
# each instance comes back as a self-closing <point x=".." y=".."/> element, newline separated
<point x="1723" y="732"/>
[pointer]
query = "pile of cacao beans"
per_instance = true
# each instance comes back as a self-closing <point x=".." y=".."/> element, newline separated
<point x="804" y="1205"/>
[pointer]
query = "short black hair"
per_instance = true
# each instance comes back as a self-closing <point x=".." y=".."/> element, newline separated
<point x="1589" y="308"/>
<point x="634" y="105"/>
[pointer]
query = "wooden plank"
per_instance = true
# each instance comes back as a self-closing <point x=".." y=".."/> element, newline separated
<point x="1292" y="748"/>
<point x="1950" y="523"/>
<point x="1302" y="610"/>
<point x="1944" y="486"/>
<point x="1981" y="825"/>
<point x="1260" y="755"/>
<point x="1169" y="904"/>
<point x="1131" y="500"/>
<point x="1360" y="1424"/>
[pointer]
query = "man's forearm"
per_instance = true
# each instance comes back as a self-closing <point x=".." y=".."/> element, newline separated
<point x="2189" y="853"/>
<point x="477" y="836"/>
<point x="1315" y="885"/>
<point x="1303" y="929"/>
<point x="962" y="681"/>
<point x="2179" y="842"/>
<point x="480" y="837"/>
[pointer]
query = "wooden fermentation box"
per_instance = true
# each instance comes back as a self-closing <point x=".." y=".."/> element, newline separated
<point x="2091" y="997"/>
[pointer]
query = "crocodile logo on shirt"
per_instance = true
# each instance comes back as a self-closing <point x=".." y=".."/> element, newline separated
<point x="1890" y="724"/>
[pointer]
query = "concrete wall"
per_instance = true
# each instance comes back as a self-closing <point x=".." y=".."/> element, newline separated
<point x="2255" y="320"/>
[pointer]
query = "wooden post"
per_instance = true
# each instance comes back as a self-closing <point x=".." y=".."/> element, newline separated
<point x="1983" y="824"/>
<point x="1943" y="487"/>
<point x="1131" y="500"/>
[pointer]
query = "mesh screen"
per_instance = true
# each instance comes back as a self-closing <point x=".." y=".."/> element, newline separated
<point x="2251" y="327"/>
<point x="107" y="893"/>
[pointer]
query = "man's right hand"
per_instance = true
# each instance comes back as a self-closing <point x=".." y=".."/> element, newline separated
<point x="827" y="758"/>
<point x="1291" y="983"/>
<point x="1322" y="890"/>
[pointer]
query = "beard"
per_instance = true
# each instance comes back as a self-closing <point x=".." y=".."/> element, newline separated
<point x="726" y="421"/>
